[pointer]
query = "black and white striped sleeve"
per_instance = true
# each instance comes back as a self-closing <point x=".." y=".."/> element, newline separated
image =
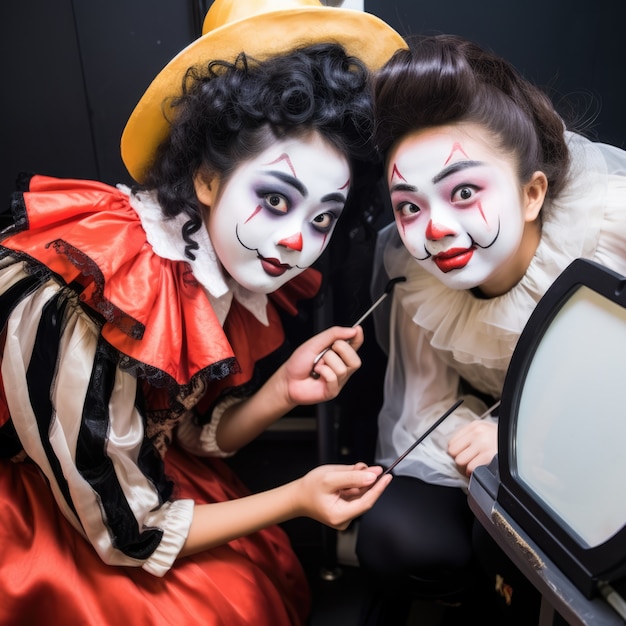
<point x="76" y="414"/>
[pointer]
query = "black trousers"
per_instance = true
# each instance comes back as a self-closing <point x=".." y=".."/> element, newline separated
<point x="422" y="541"/>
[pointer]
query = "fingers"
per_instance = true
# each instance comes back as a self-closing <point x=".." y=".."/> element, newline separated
<point x="457" y="444"/>
<point x="461" y="439"/>
<point x="473" y="456"/>
<point x="354" y="501"/>
<point x="336" y="494"/>
<point x="339" y="357"/>
<point x="346" y="477"/>
<point x="473" y="445"/>
<point x="357" y="492"/>
<point x="358" y="502"/>
<point x="358" y="339"/>
<point x="336" y="333"/>
<point x="481" y="459"/>
<point x="477" y="432"/>
<point x="326" y="340"/>
<point x="373" y="493"/>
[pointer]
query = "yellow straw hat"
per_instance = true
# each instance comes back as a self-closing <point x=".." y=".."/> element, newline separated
<point x="261" y="29"/>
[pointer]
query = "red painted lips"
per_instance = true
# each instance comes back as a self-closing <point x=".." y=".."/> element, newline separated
<point x="453" y="259"/>
<point x="274" y="267"/>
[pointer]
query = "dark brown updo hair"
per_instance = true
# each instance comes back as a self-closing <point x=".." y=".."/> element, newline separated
<point x="445" y="79"/>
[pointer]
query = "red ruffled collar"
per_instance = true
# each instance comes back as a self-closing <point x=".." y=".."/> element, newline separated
<point x="156" y="314"/>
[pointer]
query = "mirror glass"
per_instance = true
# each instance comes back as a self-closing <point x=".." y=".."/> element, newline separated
<point x="571" y="422"/>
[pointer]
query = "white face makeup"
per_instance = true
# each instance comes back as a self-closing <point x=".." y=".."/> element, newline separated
<point x="275" y="215"/>
<point x="458" y="204"/>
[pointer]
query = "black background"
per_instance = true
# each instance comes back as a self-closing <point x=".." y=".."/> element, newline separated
<point x="73" y="69"/>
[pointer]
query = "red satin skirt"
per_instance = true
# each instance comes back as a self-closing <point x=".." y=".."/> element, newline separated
<point x="50" y="575"/>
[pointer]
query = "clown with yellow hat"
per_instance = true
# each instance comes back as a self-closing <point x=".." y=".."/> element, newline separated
<point x="260" y="28"/>
<point x="142" y="336"/>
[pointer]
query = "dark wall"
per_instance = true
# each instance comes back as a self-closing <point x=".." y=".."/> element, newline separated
<point x="72" y="72"/>
<point x="73" y="69"/>
<point x="575" y="49"/>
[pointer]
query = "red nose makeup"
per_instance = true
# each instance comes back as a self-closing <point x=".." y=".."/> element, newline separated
<point x="435" y="232"/>
<point x="294" y="242"/>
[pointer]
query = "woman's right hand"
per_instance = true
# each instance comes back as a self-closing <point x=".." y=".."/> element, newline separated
<point x="335" y="494"/>
<point x="474" y="444"/>
<point x="339" y="362"/>
<point x="331" y="494"/>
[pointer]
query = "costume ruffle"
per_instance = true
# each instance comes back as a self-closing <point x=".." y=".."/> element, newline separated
<point x="156" y="313"/>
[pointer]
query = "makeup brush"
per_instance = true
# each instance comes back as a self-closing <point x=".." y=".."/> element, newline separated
<point x="492" y="408"/>
<point x="423" y="436"/>
<point x="430" y="430"/>
<point x="388" y="288"/>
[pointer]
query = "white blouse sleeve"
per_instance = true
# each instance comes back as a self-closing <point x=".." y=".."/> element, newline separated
<point x="419" y="387"/>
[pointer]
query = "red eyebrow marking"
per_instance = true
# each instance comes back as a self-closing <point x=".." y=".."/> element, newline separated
<point x="324" y="241"/>
<point x="253" y="213"/>
<point x="284" y="157"/>
<point x="456" y="147"/>
<point x="345" y="185"/>
<point x="396" y="172"/>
